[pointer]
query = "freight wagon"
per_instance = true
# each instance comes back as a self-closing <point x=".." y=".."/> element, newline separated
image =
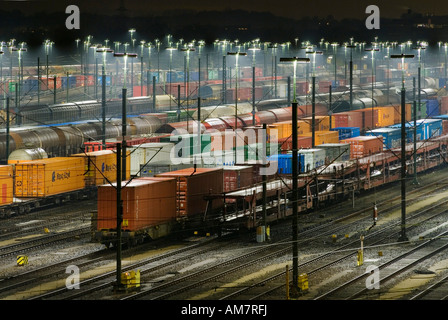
<point x="149" y="210"/>
<point x="27" y="185"/>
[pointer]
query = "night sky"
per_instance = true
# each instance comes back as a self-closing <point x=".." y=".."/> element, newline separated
<point x="294" y="9"/>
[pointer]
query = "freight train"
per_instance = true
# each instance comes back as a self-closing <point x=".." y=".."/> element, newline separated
<point x="207" y="200"/>
<point x="211" y="92"/>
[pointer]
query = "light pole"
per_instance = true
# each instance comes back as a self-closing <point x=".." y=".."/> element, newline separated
<point x="419" y="48"/>
<point x="403" y="236"/>
<point x="254" y="50"/>
<point x="187" y="51"/>
<point x="121" y="166"/>
<point x="132" y="31"/>
<point x="170" y="49"/>
<point x="373" y="79"/>
<point x="295" y="174"/>
<point x="236" y="54"/>
<point x="104" y="51"/>
<point x="313" y="98"/>
<point x="351" y="47"/>
<point x="335" y="52"/>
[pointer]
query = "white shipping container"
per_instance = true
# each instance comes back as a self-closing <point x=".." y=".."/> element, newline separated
<point x="150" y="154"/>
<point x="313" y="158"/>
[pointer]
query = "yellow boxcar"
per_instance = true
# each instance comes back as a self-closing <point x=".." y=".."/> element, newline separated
<point x="44" y="177"/>
<point x="6" y="184"/>
<point x="101" y="166"/>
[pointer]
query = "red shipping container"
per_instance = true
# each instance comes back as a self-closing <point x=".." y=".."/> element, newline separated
<point x="444" y="126"/>
<point x="346" y="119"/>
<point x="324" y="86"/>
<point x="369" y="118"/>
<point x="303" y="142"/>
<point x="444" y="105"/>
<point x="244" y="94"/>
<point x="236" y="177"/>
<point x="193" y="185"/>
<point x="362" y="146"/>
<point x="146" y="202"/>
<point x="302" y="87"/>
<point x="48" y="84"/>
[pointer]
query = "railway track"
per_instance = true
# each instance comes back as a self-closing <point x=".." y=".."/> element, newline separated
<point x="323" y="230"/>
<point x="325" y="261"/>
<point x="177" y="287"/>
<point x="436" y="291"/>
<point x="45" y="240"/>
<point x="151" y="264"/>
<point x="356" y="287"/>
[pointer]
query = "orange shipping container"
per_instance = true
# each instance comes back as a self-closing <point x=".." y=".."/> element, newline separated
<point x="193" y="185"/>
<point x="321" y="123"/>
<point x="397" y="112"/>
<point x="101" y="166"/>
<point x="386" y="116"/>
<point x="44" y="177"/>
<point x="236" y="177"/>
<point x="146" y="202"/>
<point x="6" y="184"/>
<point x="362" y="146"/>
<point x="285" y="128"/>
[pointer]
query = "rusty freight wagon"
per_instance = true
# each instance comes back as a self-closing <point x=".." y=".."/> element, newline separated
<point x="194" y="186"/>
<point x="149" y="210"/>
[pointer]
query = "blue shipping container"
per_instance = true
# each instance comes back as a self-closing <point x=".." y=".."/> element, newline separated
<point x="108" y="81"/>
<point x="410" y="131"/>
<point x="391" y="137"/>
<point x="285" y="162"/>
<point x="432" y="127"/>
<point x="432" y="107"/>
<point x="29" y="85"/>
<point x="71" y="82"/>
<point x="347" y="132"/>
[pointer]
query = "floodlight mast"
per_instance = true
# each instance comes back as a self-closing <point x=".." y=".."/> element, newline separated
<point x="403" y="236"/>
<point x="236" y="54"/>
<point x="121" y="166"/>
<point x="295" y="175"/>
